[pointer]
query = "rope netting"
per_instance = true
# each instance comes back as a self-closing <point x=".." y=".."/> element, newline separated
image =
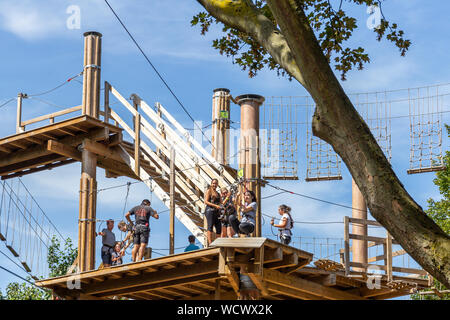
<point x="25" y="229"/>
<point x="282" y="116"/>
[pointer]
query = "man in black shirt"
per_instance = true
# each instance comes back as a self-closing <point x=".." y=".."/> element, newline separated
<point x="142" y="228"/>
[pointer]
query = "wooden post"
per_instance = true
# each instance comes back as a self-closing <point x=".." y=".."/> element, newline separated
<point x="217" y="290"/>
<point x="91" y="74"/>
<point x="388" y="255"/>
<point x="249" y="140"/>
<point x="137" y="144"/>
<point x="88" y="183"/>
<point x="359" y="211"/>
<point x="19" y="127"/>
<point x="221" y="125"/>
<point x="346" y="246"/>
<point x="107" y="109"/>
<point x="172" y="202"/>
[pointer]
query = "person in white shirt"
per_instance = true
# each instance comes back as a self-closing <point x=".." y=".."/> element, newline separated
<point x="285" y="225"/>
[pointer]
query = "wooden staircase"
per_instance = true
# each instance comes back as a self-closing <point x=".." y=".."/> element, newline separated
<point x="148" y="156"/>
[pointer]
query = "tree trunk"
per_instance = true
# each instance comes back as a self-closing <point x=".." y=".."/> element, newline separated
<point x="337" y="122"/>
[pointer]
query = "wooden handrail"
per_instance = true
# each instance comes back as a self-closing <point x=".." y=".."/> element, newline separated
<point x="50" y="116"/>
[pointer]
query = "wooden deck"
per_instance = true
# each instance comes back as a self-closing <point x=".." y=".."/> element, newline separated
<point x="55" y="145"/>
<point x="279" y="271"/>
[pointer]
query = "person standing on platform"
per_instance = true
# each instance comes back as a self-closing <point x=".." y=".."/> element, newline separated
<point x="143" y="212"/>
<point x="285" y="225"/>
<point x="212" y="201"/>
<point x="108" y="241"/>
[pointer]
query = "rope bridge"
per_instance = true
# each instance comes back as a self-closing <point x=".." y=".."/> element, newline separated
<point x="25" y="229"/>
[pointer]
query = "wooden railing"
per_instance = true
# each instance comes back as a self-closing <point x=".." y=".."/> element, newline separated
<point x="387" y="255"/>
<point x="21" y="125"/>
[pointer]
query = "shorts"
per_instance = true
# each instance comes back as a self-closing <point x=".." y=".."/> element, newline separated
<point x="141" y="234"/>
<point x="285" y="239"/>
<point x="106" y="255"/>
<point x="226" y="220"/>
<point x="212" y="219"/>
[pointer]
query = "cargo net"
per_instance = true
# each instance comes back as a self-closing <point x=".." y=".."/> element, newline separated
<point x="425" y="118"/>
<point x="375" y="109"/>
<point x="279" y="138"/>
<point x="323" y="163"/>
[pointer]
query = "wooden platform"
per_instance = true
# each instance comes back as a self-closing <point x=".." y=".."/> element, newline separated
<point x="279" y="271"/>
<point x="55" y="145"/>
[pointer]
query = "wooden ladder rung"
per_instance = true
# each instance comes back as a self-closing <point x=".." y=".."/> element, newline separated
<point x="15" y="254"/>
<point x="25" y="265"/>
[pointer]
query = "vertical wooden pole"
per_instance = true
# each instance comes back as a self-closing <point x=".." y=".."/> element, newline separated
<point x="388" y="254"/>
<point x="107" y="109"/>
<point x="217" y="290"/>
<point x="91" y="74"/>
<point x="359" y="211"/>
<point x="19" y="127"/>
<point x="250" y="104"/>
<point x="137" y="144"/>
<point x="172" y="202"/>
<point x="346" y="246"/>
<point x="88" y="183"/>
<point x="221" y="125"/>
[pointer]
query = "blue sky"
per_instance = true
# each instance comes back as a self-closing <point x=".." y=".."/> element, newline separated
<point x="39" y="51"/>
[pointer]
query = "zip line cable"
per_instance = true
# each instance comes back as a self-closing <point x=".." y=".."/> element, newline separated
<point x="159" y="75"/>
<point x="57" y="87"/>
<point x="4" y="104"/>
<point x="15" y="274"/>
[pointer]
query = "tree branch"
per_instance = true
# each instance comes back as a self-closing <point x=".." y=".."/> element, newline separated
<point x="244" y="16"/>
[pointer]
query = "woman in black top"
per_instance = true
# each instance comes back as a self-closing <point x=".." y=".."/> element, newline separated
<point x="212" y="201"/>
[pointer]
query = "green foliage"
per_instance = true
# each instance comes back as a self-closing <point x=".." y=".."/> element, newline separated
<point x="333" y="28"/>
<point x="59" y="260"/>
<point x="439" y="211"/>
<point x="24" y="291"/>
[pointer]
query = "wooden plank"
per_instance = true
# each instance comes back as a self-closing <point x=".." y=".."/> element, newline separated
<point x="377" y="240"/>
<point x="35" y="140"/>
<point x="30" y="164"/>
<point x="5" y="149"/>
<point x="306" y="286"/>
<point x="101" y="150"/>
<point x="39" y="151"/>
<point x="153" y="278"/>
<point x="289" y="260"/>
<point x="188" y="280"/>
<point x="251" y="242"/>
<point x="410" y="270"/>
<point x="291" y="292"/>
<point x="273" y="255"/>
<point x="19" y="144"/>
<point x="38" y="169"/>
<point x="364" y="222"/>
<point x="51" y="115"/>
<point x="64" y="150"/>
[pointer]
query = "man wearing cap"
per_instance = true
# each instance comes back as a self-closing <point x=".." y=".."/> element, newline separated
<point x="108" y="241"/>
<point x="142" y="228"/>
